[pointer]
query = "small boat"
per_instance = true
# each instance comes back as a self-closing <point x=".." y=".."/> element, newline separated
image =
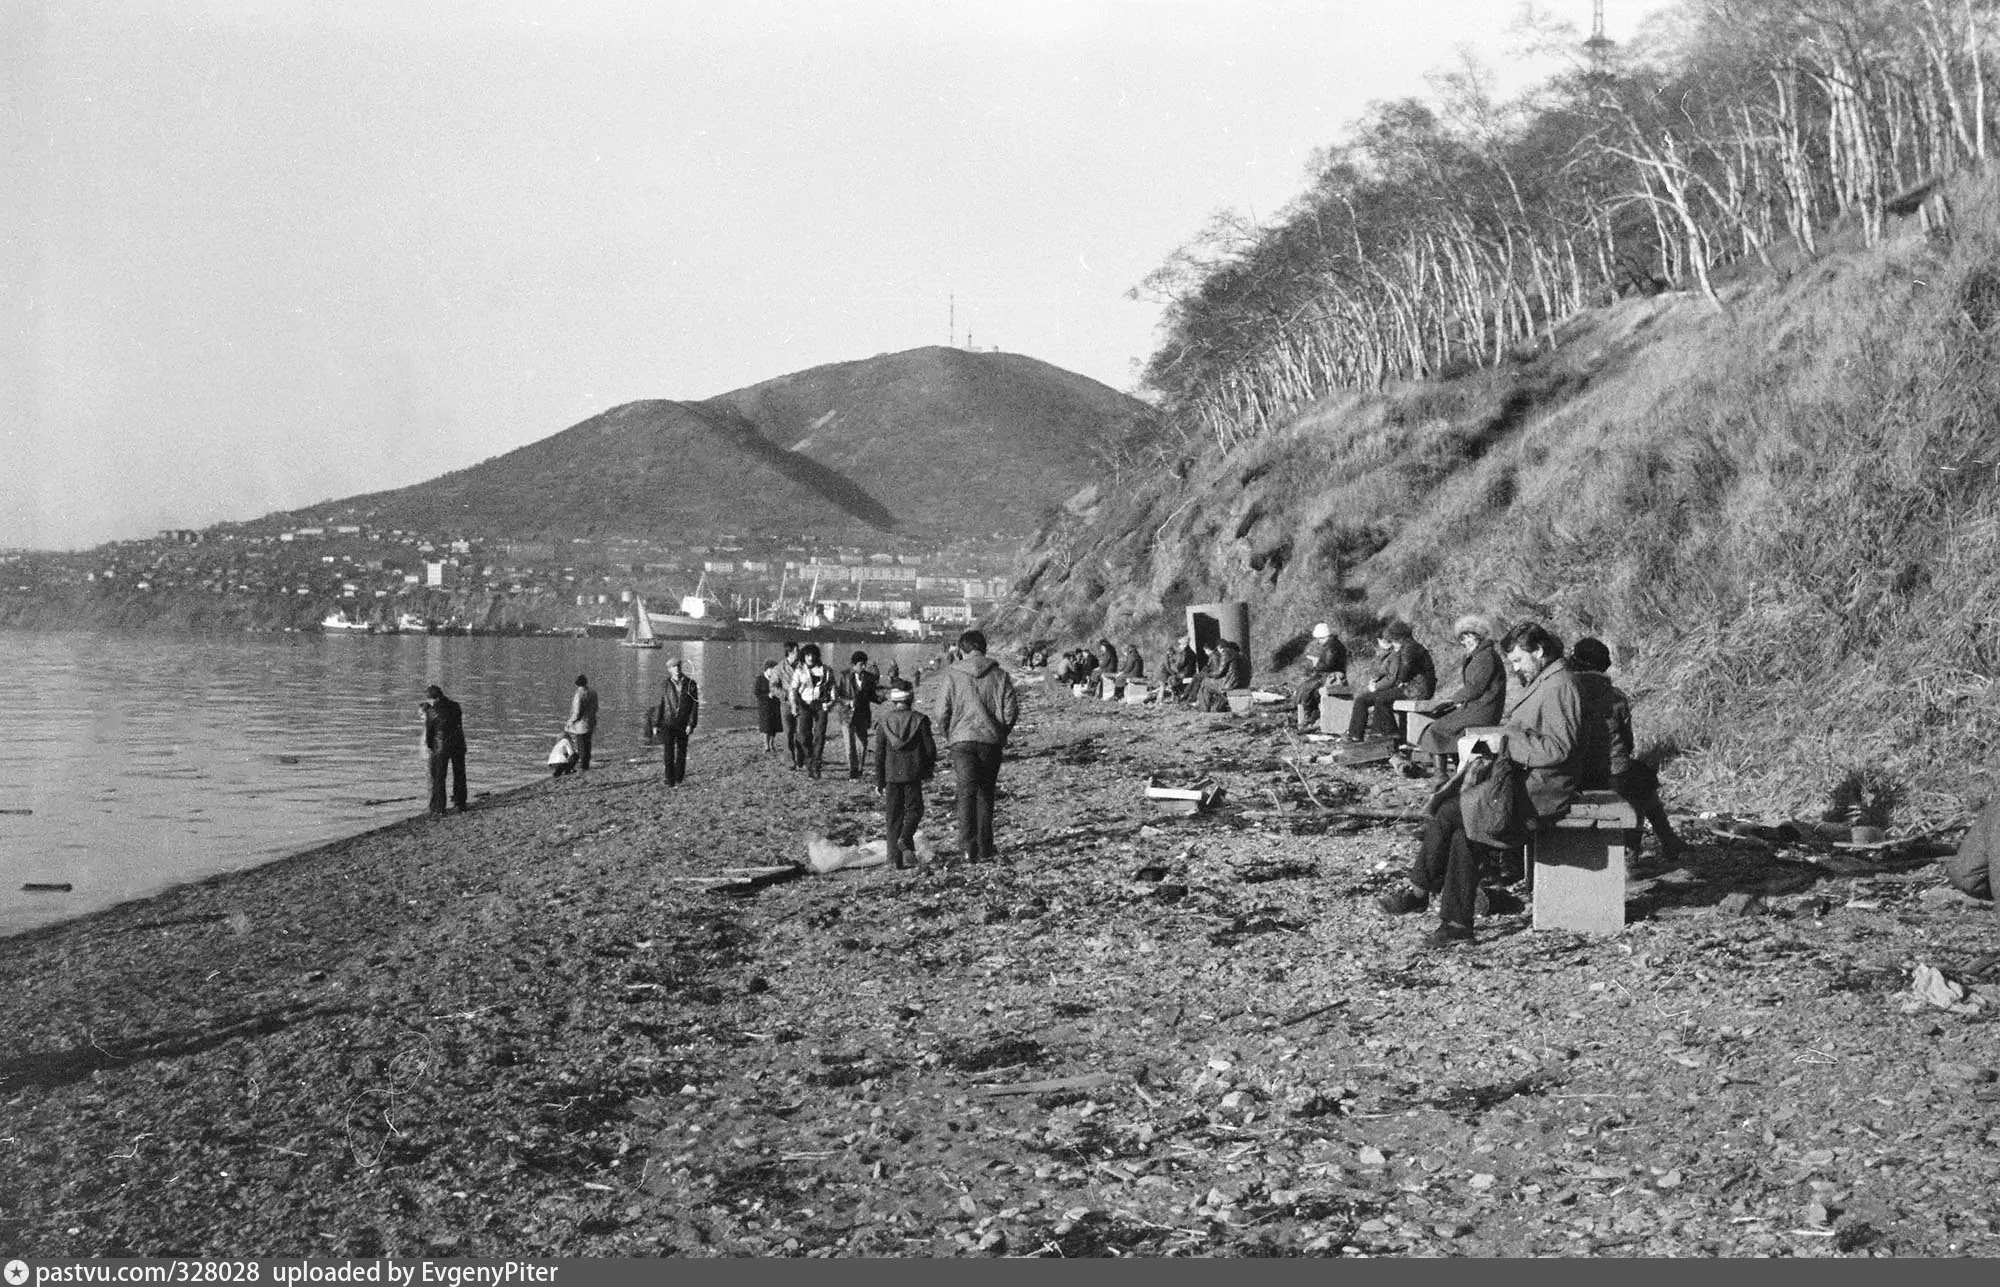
<point x="640" y="633"/>
<point x="339" y="623"/>
<point x="411" y="624"/>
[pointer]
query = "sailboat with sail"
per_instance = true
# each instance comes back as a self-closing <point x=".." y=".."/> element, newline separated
<point x="639" y="633"/>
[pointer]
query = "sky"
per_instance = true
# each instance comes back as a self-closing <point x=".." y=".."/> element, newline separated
<point x="258" y="254"/>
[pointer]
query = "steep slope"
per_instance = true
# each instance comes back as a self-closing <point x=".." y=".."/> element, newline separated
<point x="811" y="453"/>
<point x="1785" y="519"/>
<point x="1002" y="436"/>
<point x="653" y="467"/>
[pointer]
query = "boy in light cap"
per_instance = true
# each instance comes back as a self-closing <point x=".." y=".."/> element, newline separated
<point x="1326" y="666"/>
<point x="905" y="755"/>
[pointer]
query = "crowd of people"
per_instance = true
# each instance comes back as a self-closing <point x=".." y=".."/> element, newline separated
<point x="797" y="697"/>
<point x="1567" y="729"/>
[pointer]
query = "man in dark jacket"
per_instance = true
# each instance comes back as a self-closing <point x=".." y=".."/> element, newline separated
<point x="1230" y="670"/>
<point x="677" y="713"/>
<point x="444" y="742"/>
<point x="1543" y="736"/>
<point x="1405" y="673"/>
<point x="858" y="693"/>
<point x="975" y="715"/>
<point x="905" y="758"/>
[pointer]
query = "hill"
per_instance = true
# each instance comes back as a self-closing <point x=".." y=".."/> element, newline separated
<point x="1782" y="517"/>
<point x="844" y="452"/>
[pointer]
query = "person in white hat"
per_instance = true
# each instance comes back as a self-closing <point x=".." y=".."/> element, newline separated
<point x="1326" y="665"/>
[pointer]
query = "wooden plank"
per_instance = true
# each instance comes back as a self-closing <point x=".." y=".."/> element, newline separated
<point x="1088" y="1081"/>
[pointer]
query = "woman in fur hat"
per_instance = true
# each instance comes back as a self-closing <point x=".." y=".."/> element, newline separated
<point x="1482" y="686"/>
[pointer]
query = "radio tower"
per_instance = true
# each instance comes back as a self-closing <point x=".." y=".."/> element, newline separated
<point x="1599" y="46"/>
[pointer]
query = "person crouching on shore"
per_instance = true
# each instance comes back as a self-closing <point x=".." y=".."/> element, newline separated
<point x="905" y="758"/>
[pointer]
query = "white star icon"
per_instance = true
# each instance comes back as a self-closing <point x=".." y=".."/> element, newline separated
<point x="17" y="1272"/>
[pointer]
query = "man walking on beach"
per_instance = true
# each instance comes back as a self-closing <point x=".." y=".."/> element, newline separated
<point x="857" y="692"/>
<point x="678" y="711"/>
<point x="582" y="721"/>
<point x="444" y="743"/>
<point x="787" y="710"/>
<point x="975" y="716"/>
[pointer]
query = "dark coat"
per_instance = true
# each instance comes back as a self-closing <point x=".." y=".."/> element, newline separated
<point x="1326" y="657"/>
<point x="770" y="719"/>
<point x="1545" y="736"/>
<point x="444" y="726"/>
<point x="1606" y="734"/>
<point x="1410" y="668"/>
<point x="679" y="706"/>
<point x="859" y="688"/>
<point x="1481" y="696"/>
<point x="905" y="751"/>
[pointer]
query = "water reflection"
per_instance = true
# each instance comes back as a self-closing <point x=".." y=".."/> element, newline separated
<point x="150" y="760"/>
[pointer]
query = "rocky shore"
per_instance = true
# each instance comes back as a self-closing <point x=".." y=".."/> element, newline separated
<point x="532" y="1030"/>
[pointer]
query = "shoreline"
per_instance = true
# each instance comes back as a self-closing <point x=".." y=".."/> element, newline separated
<point x="524" y="1031"/>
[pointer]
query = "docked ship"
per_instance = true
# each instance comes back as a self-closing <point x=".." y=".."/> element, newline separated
<point x="700" y="617"/>
<point x="607" y="627"/>
<point x="339" y="623"/>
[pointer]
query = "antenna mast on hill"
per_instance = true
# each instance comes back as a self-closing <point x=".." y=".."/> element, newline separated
<point x="952" y="326"/>
<point x="1599" y="46"/>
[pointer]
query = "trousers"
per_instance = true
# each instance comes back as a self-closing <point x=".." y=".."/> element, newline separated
<point x="1448" y="863"/>
<point x="454" y="760"/>
<point x="675" y="742"/>
<point x="811" y="748"/>
<point x="976" y="767"/>
<point x="1378" y="704"/>
<point x="582" y="741"/>
<point x="857" y="744"/>
<point x="903" y="805"/>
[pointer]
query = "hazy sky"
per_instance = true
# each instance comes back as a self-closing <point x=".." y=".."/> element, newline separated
<point x="261" y="253"/>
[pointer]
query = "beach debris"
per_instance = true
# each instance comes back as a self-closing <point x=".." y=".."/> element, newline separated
<point x="1741" y="904"/>
<point x="1085" y="1081"/>
<point x="825" y="855"/>
<point x="1198" y="798"/>
<point x="17" y="813"/>
<point x="1930" y="987"/>
<point x="47" y="887"/>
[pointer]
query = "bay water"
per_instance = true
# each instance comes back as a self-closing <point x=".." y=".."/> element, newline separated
<point x="132" y="762"/>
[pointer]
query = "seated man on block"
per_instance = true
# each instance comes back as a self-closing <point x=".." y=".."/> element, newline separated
<point x="1544" y="737"/>
<point x="1326" y="665"/>
<point x="1231" y="670"/>
<point x="1404" y="672"/>
<point x="1608" y="761"/>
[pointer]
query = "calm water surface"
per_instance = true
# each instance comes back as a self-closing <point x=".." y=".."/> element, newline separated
<point x="147" y="761"/>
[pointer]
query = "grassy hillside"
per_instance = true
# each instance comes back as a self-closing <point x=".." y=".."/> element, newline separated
<point x="1784" y="518"/>
<point x="809" y="453"/>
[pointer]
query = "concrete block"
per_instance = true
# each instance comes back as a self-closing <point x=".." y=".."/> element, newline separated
<point x="1414" y="717"/>
<point x="1107" y="688"/>
<point x="1580" y="866"/>
<point x="1334" y="712"/>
